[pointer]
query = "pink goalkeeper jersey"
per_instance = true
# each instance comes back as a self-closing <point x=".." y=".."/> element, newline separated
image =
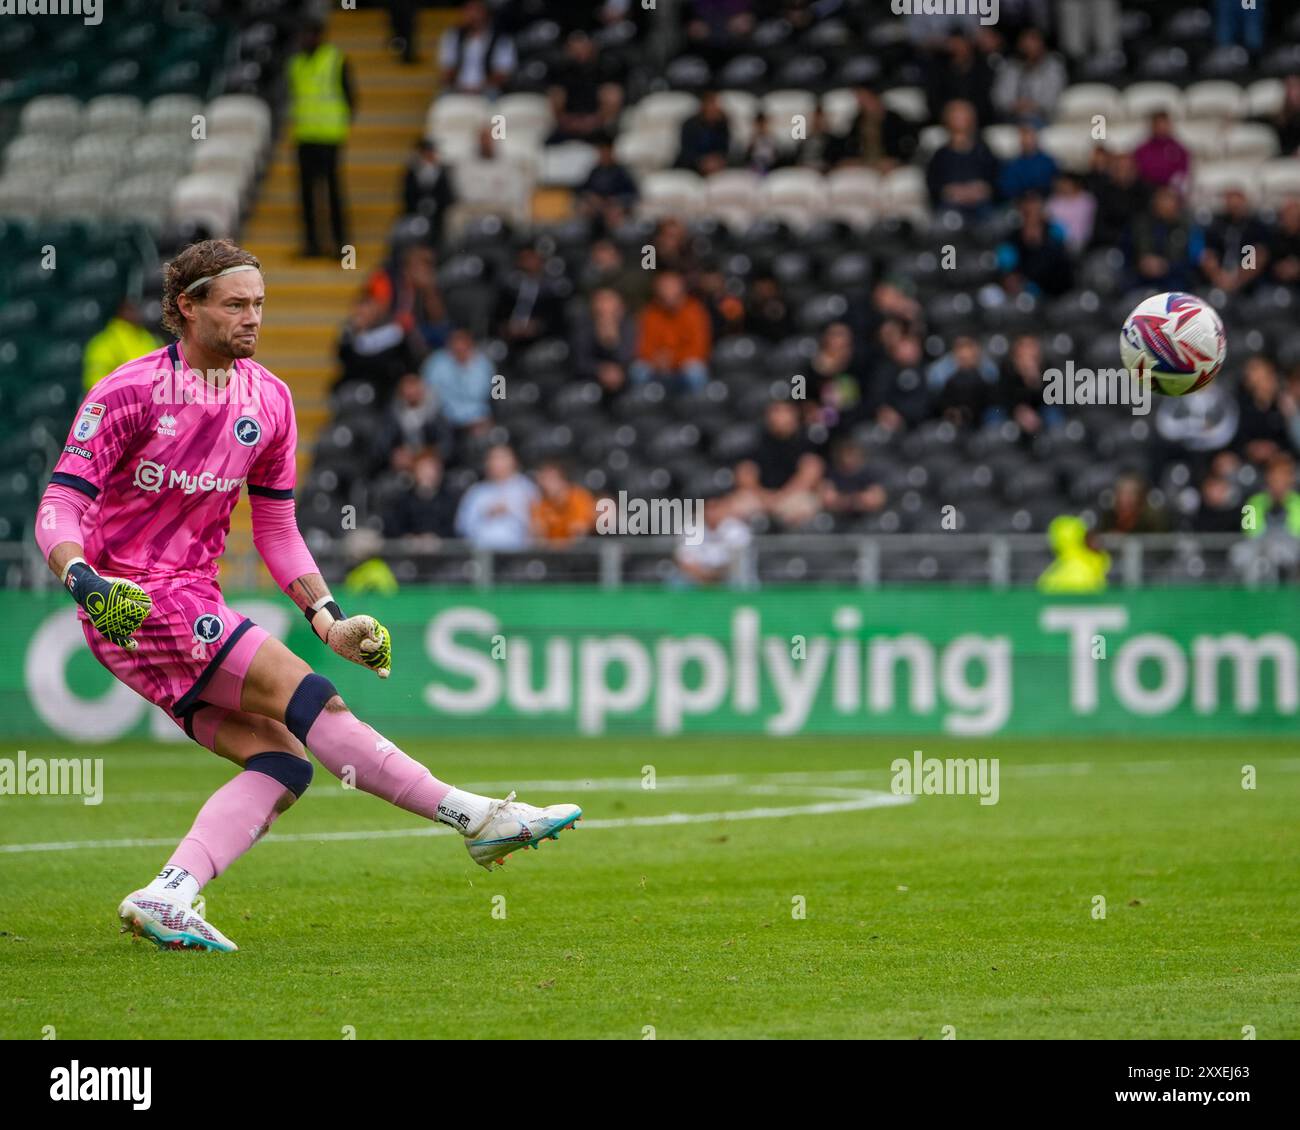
<point x="163" y="456"/>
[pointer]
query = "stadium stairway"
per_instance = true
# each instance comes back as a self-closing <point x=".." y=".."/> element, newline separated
<point x="308" y="299"/>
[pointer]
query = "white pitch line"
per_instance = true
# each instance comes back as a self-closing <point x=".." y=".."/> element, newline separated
<point x="857" y="801"/>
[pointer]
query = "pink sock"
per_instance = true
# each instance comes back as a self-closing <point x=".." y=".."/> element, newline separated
<point x="342" y="742"/>
<point x="232" y="821"/>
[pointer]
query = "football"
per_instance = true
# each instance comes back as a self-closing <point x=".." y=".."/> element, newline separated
<point x="1176" y="340"/>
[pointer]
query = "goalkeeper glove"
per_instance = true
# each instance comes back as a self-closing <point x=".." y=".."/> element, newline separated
<point x="116" y="608"/>
<point x="358" y="639"/>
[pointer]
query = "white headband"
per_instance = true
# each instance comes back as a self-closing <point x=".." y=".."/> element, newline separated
<point x="227" y="271"/>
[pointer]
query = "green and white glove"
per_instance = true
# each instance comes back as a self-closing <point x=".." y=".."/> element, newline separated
<point x="116" y="608"/>
<point x="358" y="639"/>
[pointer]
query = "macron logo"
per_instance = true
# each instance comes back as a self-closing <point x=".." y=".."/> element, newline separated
<point x="102" y="1084"/>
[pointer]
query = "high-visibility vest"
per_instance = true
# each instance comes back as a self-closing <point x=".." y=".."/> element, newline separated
<point x="320" y="111"/>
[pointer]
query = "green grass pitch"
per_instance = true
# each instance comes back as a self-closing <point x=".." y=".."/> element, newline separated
<point x="939" y="914"/>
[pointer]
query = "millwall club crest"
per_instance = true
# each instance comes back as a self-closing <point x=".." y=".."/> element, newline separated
<point x="88" y="422"/>
<point x="247" y="430"/>
<point x="208" y="628"/>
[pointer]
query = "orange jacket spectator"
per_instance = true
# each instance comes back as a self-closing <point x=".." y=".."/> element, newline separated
<point x="559" y="519"/>
<point x="674" y="336"/>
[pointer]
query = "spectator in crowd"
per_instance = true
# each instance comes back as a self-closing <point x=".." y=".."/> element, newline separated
<point x="1236" y="245"/>
<point x="1029" y="84"/>
<point x="604" y="341"/>
<point x="496" y="513"/>
<point x="835" y="386"/>
<point x="528" y="306"/>
<point x="461" y="377"/>
<point x="1121" y="194"/>
<point x="1088" y="26"/>
<point x="563" y="510"/>
<point x="373" y="346"/>
<point x="1073" y="209"/>
<point x="1162" y="246"/>
<point x="891" y="301"/>
<point x="849" y="487"/>
<point x="820" y="147"/>
<point x="878" y="137"/>
<point x="1078" y="566"/>
<point x="1284" y="245"/>
<point x="367" y="572"/>
<point x="1219" y="511"/>
<point x="1276" y="509"/>
<point x="715" y="29"/>
<point x="714" y="557"/>
<point x="960" y="72"/>
<point x="962" y="383"/>
<point x="767" y="315"/>
<point x="1237" y="22"/>
<point x="412" y="297"/>
<point x="1162" y="159"/>
<point x="962" y="173"/>
<point x="706" y="137"/>
<point x="1131" y="511"/>
<point x="782" y="476"/>
<point x="401" y="17"/>
<point x="765" y="151"/>
<point x="123" y="339"/>
<point x="1287" y="119"/>
<point x="898" y="398"/>
<point x="674" y="338"/>
<point x="412" y="425"/>
<point x="1032" y="171"/>
<point x="673" y="249"/>
<point x="1262" y="430"/>
<point x="475" y="57"/>
<point x="1019" y="392"/>
<point x="606" y="267"/>
<point x="721" y="298"/>
<point x="609" y="192"/>
<point x="584" y="104"/>
<point x="1035" y="257"/>
<point x="322" y="105"/>
<point x="427" y="189"/>
<point x="426" y="512"/>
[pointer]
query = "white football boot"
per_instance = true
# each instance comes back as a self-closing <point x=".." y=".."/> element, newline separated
<point x="169" y="924"/>
<point x="511" y="825"/>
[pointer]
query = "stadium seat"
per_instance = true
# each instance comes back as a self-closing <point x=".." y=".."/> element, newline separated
<point x="1215" y="100"/>
<point x="1083" y="101"/>
<point x="1143" y="99"/>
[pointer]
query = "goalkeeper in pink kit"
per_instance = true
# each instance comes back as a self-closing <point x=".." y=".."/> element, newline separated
<point x="133" y="523"/>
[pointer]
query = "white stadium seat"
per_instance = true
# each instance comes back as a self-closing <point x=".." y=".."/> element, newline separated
<point x="672" y="192"/>
<point x="1085" y="100"/>
<point x="1280" y="179"/>
<point x="1264" y="97"/>
<point x="172" y="115"/>
<point x="1003" y="140"/>
<point x="841" y="108"/>
<point x="57" y="114"/>
<point x="456" y="113"/>
<point x="530" y="113"/>
<point x="1215" y="99"/>
<point x="567" y="164"/>
<point x="909" y="101"/>
<point x="733" y="197"/>
<point x="1143" y="99"/>
<point x="1250" y="140"/>
<point x="904" y="194"/>
<point x="853" y="196"/>
<point x="1203" y="139"/>
<point x="113" y="114"/>
<point x="1211" y="179"/>
<point x="645" y="150"/>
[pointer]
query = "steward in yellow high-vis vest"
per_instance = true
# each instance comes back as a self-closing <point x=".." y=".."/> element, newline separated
<point x="322" y="104"/>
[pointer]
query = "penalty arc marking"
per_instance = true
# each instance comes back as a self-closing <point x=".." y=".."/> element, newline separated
<point x="836" y="799"/>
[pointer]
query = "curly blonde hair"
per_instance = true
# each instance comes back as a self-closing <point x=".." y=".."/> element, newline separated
<point x="207" y="257"/>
